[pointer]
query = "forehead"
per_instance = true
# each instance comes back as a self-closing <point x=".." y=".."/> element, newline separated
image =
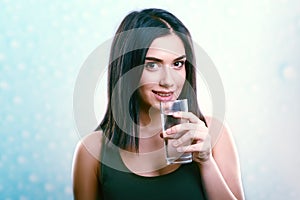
<point x="170" y="43"/>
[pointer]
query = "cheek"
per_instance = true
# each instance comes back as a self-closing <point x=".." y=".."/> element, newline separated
<point x="145" y="89"/>
<point x="147" y="81"/>
<point x="144" y="79"/>
<point x="181" y="78"/>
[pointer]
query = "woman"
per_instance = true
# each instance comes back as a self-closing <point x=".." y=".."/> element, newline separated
<point x="152" y="60"/>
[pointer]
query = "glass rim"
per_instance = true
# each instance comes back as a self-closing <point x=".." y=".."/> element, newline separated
<point x="173" y="101"/>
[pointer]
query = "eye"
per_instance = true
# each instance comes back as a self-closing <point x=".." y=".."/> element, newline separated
<point x="178" y="64"/>
<point x="152" y="66"/>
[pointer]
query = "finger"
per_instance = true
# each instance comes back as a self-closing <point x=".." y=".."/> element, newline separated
<point x="196" y="147"/>
<point x="190" y="148"/>
<point x="189" y="116"/>
<point x="190" y="137"/>
<point x="202" y="156"/>
<point x="186" y="127"/>
<point x="203" y="143"/>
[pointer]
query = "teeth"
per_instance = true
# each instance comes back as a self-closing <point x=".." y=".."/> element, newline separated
<point x="164" y="94"/>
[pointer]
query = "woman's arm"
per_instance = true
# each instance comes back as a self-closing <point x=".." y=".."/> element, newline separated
<point x="219" y="167"/>
<point x="221" y="172"/>
<point x="85" y="172"/>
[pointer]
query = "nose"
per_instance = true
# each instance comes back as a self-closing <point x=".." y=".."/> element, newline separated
<point x="166" y="77"/>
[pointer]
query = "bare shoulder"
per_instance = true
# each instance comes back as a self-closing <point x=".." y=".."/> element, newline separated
<point x="224" y="148"/>
<point x="87" y="155"/>
<point x="218" y="130"/>
<point x="85" y="168"/>
<point x="89" y="147"/>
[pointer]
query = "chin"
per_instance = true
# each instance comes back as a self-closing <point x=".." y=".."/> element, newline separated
<point x="155" y="106"/>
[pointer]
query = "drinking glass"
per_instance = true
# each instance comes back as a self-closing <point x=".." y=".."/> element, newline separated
<point x="167" y="109"/>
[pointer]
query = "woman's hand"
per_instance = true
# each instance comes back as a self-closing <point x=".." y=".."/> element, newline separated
<point x="195" y="139"/>
<point x="220" y="173"/>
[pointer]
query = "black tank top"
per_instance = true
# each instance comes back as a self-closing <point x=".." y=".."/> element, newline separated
<point x="119" y="183"/>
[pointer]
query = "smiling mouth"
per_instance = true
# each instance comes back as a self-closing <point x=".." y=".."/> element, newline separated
<point x="163" y="94"/>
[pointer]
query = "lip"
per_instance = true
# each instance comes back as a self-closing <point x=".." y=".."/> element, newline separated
<point x="163" y="95"/>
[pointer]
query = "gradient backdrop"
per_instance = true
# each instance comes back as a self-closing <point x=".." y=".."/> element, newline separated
<point x="255" y="47"/>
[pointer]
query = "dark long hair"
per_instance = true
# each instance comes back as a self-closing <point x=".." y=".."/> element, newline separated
<point x="127" y="56"/>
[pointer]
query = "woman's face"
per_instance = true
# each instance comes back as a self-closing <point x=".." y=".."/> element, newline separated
<point x="164" y="71"/>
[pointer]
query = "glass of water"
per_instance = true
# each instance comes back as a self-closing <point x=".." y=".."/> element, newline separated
<point x="167" y="109"/>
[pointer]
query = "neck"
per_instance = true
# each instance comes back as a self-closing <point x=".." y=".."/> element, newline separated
<point x="150" y="122"/>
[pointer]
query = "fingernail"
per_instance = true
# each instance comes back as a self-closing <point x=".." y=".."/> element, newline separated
<point x="176" y="114"/>
<point x="168" y="131"/>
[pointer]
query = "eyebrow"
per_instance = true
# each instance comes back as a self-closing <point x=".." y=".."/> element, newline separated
<point x="160" y="60"/>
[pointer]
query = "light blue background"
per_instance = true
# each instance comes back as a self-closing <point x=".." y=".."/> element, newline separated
<point x="43" y="44"/>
